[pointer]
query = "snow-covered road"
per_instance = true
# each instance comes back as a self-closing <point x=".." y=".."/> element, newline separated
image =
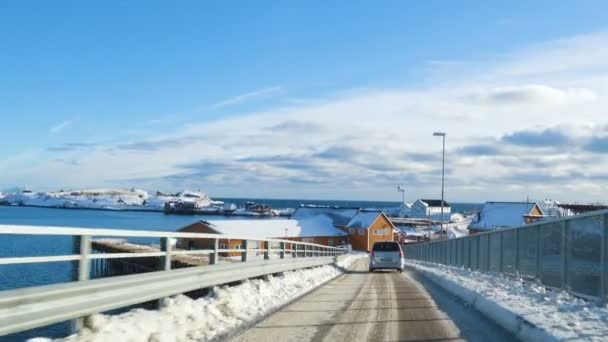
<point x="359" y="306"/>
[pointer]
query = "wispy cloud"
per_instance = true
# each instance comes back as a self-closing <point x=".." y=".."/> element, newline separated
<point x="252" y="95"/>
<point x="69" y="147"/>
<point x="57" y="128"/>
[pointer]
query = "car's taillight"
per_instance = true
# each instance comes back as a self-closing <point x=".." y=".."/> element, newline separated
<point x="401" y="252"/>
<point x="371" y="254"/>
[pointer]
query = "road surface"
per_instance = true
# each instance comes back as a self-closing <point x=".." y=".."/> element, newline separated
<point x="359" y="306"/>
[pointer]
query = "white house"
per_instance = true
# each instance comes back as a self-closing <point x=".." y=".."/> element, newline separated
<point x="405" y="210"/>
<point x="430" y="208"/>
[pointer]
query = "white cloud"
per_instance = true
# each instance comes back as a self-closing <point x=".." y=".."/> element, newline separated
<point x="381" y="137"/>
<point x="535" y="94"/>
<point x="57" y="128"/>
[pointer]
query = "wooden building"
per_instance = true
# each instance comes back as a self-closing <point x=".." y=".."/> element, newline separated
<point x="367" y="227"/>
<point x="206" y="228"/>
<point x="316" y="229"/>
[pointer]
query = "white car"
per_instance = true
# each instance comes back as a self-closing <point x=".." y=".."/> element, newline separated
<point x="386" y="255"/>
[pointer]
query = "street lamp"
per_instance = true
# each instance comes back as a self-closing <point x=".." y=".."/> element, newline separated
<point x="442" y="135"/>
<point x="401" y="189"/>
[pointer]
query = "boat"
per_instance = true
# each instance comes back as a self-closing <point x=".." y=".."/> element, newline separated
<point x="193" y="208"/>
<point x="228" y="208"/>
<point x="258" y="208"/>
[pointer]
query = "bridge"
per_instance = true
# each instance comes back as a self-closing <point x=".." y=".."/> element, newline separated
<point x="567" y="254"/>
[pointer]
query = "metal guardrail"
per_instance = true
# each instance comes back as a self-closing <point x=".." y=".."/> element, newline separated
<point x="570" y="254"/>
<point x="27" y="308"/>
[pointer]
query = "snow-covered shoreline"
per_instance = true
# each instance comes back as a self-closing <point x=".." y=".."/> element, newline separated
<point x="104" y="199"/>
<point x="224" y="310"/>
<point x="124" y="200"/>
<point x="528" y="310"/>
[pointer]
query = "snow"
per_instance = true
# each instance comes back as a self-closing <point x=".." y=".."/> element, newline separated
<point x="278" y="228"/>
<point x="502" y="215"/>
<point x="283" y="212"/>
<point x="529" y="310"/>
<point x="111" y="199"/>
<point x="225" y="310"/>
<point x="550" y="208"/>
<point x="412" y="231"/>
<point x="363" y="219"/>
<point x="347" y="260"/>
<point x="339" y="216"/>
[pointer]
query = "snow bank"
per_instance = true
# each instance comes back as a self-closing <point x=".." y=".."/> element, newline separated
<point x="528" y="310"/>
<point x="227" y="308"/>
<point x="346" y="261"/>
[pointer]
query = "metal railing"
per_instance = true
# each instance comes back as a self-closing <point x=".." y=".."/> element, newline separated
<point x="570" y="254"/>
<point x="27" y="308"/>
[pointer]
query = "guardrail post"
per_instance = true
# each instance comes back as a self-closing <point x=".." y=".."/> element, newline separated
<point x="501" y="258"/>
<point x="539" y="252"/>
<point x="603" y="261"/>
<point x="294" y="250"/>
<point x="266" y="250"/>
<point x="489" y="252"/>
<point x="165" y="261"/>
<point x="214" y="257"/>
<point x="478" y="252"/>
<point x="564" y="255"/>
<point x="244" y="252"/>
<point x="282" y="252"/>
<point x="82" y="246"/>
<point x="517" y="252"/>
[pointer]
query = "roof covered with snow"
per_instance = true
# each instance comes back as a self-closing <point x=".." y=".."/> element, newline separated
<point x="434" y="202"/>
<point x="339" y="216"/>
<point x="551" y="208"/>
<point x="277" y="228"/>
<point x="502" y="215"/>
<point x="363" y="219"/>
<point x="412" y="231"/>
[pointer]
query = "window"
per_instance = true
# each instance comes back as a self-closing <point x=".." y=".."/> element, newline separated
<point x="330" y="242"/>
<point x="386" y="246"/>
<point x="351" y="231"/>
<point x="361" y="231"/>
<point x="223" y="246"/>
<point x="379" y="231"/>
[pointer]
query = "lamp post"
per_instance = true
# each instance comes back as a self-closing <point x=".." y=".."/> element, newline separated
<point x="401" y="189"/>
<point x="442" y="135"/>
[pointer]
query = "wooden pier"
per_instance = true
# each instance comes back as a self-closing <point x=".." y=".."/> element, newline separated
<point x="122" y="266"/>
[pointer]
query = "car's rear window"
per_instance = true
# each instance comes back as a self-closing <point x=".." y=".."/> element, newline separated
<point x="386" y="247"/>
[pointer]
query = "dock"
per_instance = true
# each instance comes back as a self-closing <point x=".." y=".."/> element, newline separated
<point x="122" y="266"/>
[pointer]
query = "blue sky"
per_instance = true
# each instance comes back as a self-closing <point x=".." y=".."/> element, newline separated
<point x="89" y="92"/>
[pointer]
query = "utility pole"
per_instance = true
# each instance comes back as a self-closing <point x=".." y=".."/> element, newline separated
<point x="442" y="135"/>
